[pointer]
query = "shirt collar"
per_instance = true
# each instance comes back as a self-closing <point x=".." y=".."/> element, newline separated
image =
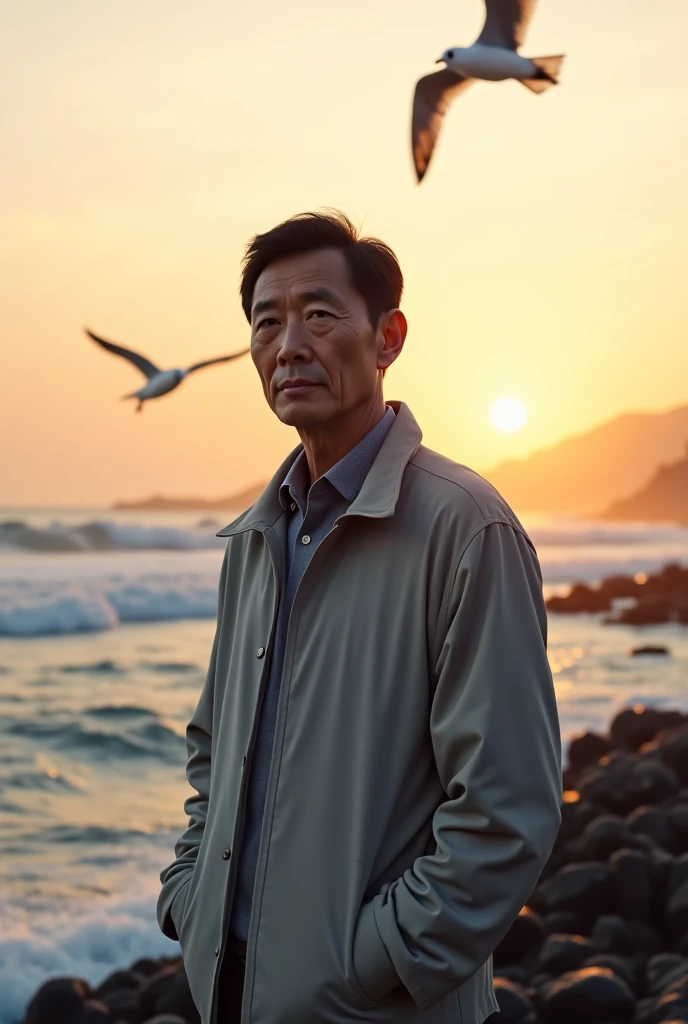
<point x="347" y="475"/>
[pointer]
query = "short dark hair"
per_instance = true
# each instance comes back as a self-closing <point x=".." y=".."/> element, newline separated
<point x="374" y="269"/>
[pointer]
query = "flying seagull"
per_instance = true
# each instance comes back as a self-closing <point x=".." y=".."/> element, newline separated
<point x="159" y="382"/>
<point x="493" y="56"/>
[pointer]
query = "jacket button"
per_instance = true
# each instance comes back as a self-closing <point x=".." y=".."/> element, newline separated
<point x="226" y="854"/>
<point x="305" y="539"/>
<point x="260" y="652"/>
<point x="217" y="951"/>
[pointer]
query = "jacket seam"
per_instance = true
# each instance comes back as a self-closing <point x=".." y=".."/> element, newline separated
<point x="454" y="571"/>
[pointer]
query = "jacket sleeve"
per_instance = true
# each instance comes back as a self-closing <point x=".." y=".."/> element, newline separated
<point x="199" y="732"/>
<point x="496" y="739"/>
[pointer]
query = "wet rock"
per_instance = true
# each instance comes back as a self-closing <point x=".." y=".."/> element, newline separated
<point x="586" y="749"/>
<point x="514" y="973"/>
<point x="664" y="968"/>
<point x="605" y="835"/>
<point x="658" y="649"/>
<point x="514" y="1005"/>
<point x="527" y="930"/>
<point x="580" y="598"/>
<point x="653" y="822"/>
<point x="145" y="967"/>
<point x="561" y="953"/>
<point x="629" y="970"/>
<point x="177" y="999"/>
<point x="581" y="888"/>
<point x="677" y="816"/>
<point x="155" y="988"/>
<point x="632" y="727"/>
<point x="60" y="999"/>
<point x="592" y="995"/>
<point x="117" y="981"/>
<point x="124" y="1006"/>
<point x="611" y="934"/>
<point x="672" y="748"/>
<point x="166" y="1018"/>
<point x="631" y="883"/>
<point x="563" y="921"/>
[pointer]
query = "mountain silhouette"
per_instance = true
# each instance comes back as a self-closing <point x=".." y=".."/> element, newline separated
<point x="664" y="498"/>
<point x="230" y="502"/>
<point x="590" y="471"/>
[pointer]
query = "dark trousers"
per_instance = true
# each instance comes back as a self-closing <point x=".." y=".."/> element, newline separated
<point x="231" y="982"/>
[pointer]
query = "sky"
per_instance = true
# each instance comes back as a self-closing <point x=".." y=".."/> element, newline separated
<point x="145" y="141"/>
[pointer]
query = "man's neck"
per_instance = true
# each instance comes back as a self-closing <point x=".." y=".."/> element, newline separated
<point x="324" y="447"/>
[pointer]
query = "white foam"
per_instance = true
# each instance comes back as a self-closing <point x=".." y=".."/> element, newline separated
<point x="87" y="941"/>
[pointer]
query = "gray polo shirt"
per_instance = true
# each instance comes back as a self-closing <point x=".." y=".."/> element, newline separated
<point x="312" y="512"/>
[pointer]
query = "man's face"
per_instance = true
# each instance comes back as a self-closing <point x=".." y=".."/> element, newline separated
<point x="311" y="340"/>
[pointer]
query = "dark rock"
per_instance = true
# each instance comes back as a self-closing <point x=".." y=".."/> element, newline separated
<point x="145" y="967"/>
<point x="593" y="995"/>
<point x="168" y="1018"/>
<point x="124" y="1006"/>
<point x="94" y="1012"/>
<point x="514" y="1004"/>
<point x="662" y="969"/>
<point x="563" y="921"/>
<point x="561" y="953"/>
<point x="117" y="981"/>
<point x="652" y="781"/>
<point x="653" y="822"/>
<point x="586" y="749"/>
<point x="58" y="999"/>
<point x="527" y="930"/>
<point x="514" y="973"/>
<point x="178" y="999"/>
<point x="581" y="888"/>
<point x="623" y="967"/>
<point x="632" y="727"/>
<point x="580" y="598"/>
<point x="631" y="882"/>
<point x="645" y="1012"/>
<point x="155" y="988"/>
<point x="677" y="816"/>
<point x="676" y="911"/>
<point x="649" y="649"/>
<point x="672" y="747"/>
<point x="606" y="834"/>
<point x="611" y="934"/>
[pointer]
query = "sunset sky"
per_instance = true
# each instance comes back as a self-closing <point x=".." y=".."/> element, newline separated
<point x="146" y="140"/>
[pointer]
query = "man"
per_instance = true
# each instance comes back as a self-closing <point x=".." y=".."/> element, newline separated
<point x="376" y="753"/>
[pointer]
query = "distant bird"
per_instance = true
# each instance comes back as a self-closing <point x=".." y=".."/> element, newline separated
<point x="160" y="382"/>
<point x="494" y="56"/>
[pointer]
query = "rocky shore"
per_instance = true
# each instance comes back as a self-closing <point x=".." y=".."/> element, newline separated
<point x="603" y="937"/>
<point x="640" y="600"/>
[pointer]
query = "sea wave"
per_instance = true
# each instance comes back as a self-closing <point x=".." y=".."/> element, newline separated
<point x="62" y="608"/>
<point x="106" y="535"/>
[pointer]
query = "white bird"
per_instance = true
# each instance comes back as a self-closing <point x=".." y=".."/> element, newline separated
<point x="160" y="382"/>
<point x="494" y="57"/>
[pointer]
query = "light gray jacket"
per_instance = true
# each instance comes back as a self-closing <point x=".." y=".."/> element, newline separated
<point x="415" y="786"/>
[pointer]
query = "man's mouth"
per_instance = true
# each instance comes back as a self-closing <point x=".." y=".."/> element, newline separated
<point x="299" y="385"/>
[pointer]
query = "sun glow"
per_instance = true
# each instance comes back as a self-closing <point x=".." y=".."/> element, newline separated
<point x="508" y="414"/>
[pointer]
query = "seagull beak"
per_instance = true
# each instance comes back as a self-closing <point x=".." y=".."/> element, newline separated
<point x="441" y="60"/>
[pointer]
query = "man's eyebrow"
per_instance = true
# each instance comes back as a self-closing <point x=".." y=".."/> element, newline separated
<point x="319" y="294"/>
<point x="263" y="305"/>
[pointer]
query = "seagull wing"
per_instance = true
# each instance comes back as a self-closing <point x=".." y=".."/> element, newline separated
<point x="506" y="23"/>
<point x="432" y="97"/>
<point x="218" y="359"/>
<point x="143" y="364"/>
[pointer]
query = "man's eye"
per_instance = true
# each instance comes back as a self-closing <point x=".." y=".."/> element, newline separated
<point x="267" y="321"/>
<point x="319" y="313"/>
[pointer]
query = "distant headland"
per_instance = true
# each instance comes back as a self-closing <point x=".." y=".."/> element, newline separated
<point x="160" y="502"/>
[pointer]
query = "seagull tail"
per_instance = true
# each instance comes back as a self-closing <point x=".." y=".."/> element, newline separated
<point x="547" y="73"/>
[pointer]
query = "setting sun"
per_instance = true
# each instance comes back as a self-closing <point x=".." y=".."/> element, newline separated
<point x="508" y="414"/>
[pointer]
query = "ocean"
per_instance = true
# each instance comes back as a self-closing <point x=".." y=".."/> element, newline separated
<point x="106" y="623"/>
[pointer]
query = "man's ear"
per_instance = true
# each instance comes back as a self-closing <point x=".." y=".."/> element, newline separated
<point x="391" y="331"/>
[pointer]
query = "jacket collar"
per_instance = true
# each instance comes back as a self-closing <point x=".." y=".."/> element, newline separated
<point x="378" y="496"/>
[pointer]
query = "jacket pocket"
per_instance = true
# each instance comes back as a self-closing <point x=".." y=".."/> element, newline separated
<point x="373" y="971"/>
<point x="178" y="905"/>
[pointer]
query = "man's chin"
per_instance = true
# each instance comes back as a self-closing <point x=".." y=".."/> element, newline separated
<point x="302" y="411"/>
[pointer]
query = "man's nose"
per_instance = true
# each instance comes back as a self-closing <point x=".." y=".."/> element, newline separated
<point x="294" y="347"/>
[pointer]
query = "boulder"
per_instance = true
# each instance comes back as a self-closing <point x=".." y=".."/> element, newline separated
<point x="565" y="921"/>
<point x="581" y="888"/>
<point x="586" y="749"/>
<point x="593" y="995"/>
<point x="611" y="934"/>
<point x="527" y="930"/>
<point x="653" y="822"/>
<point x="60" y="999"/>
<point x="562" y="953"/>
<point x="606" y="834"/>
<point x="631" y="883"/>
<point x="124" y="1006"/>
<point x="663" y="969"/>
<point x="515" y="1007"/>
